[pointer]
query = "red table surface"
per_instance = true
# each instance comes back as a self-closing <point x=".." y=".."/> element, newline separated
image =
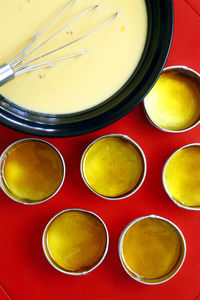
<point x="24" y="270"/>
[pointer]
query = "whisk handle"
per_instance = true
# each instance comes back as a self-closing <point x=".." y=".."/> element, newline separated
<point x="6" y="73"/>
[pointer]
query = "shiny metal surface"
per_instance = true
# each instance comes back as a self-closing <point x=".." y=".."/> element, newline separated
<point x="6" y="73"/>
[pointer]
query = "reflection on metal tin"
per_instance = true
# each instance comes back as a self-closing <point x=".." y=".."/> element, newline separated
<point x="181" y="177"/>
<point x="113" y="166"/>
<point x="152" y="249"/>
<point x="173" y="104"/>
<point x="75" y="241"/>
<point x="32" y="171"/>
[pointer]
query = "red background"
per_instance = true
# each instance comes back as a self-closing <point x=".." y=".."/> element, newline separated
<point x="25" y="273"/>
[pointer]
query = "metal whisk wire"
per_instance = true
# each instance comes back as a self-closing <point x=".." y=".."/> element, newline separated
<point x="16" y="66"/>
<point x="38" y="35"/>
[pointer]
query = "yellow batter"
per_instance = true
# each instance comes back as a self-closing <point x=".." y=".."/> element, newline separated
<point x="81" y="82"/>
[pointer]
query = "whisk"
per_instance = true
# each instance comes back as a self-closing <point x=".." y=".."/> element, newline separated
<point x="17" y="65"/>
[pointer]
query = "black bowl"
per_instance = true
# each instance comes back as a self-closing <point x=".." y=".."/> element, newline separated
<point x="160" y="30"/>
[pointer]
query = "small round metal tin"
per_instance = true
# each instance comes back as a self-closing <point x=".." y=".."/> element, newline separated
<point x="187" y="175"/>
<point x="16" y="170"/>
<point x="176" y="267"/>
<point x="187" y="74"/>
<point x="85" y="269"/>
<point x="140" y="154"/>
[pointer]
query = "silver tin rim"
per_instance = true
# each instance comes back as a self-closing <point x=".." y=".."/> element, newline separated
<point x="164" y="181"/>
<point x="139" y="150"/>
<point x="24" y="141"/>
<point x="180" y="234"/>
<point x="189" y="71"/>
<point x="61" y="269"/>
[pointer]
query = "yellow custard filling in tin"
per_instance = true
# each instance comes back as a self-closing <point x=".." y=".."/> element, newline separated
<point x="31" y="171"/>
<point x="174" y="102"/>
<point x="76" y="241"/>
<point x="182" y="176"/>
<point x="150" y="248"/>
<point x="113" y="166"/>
